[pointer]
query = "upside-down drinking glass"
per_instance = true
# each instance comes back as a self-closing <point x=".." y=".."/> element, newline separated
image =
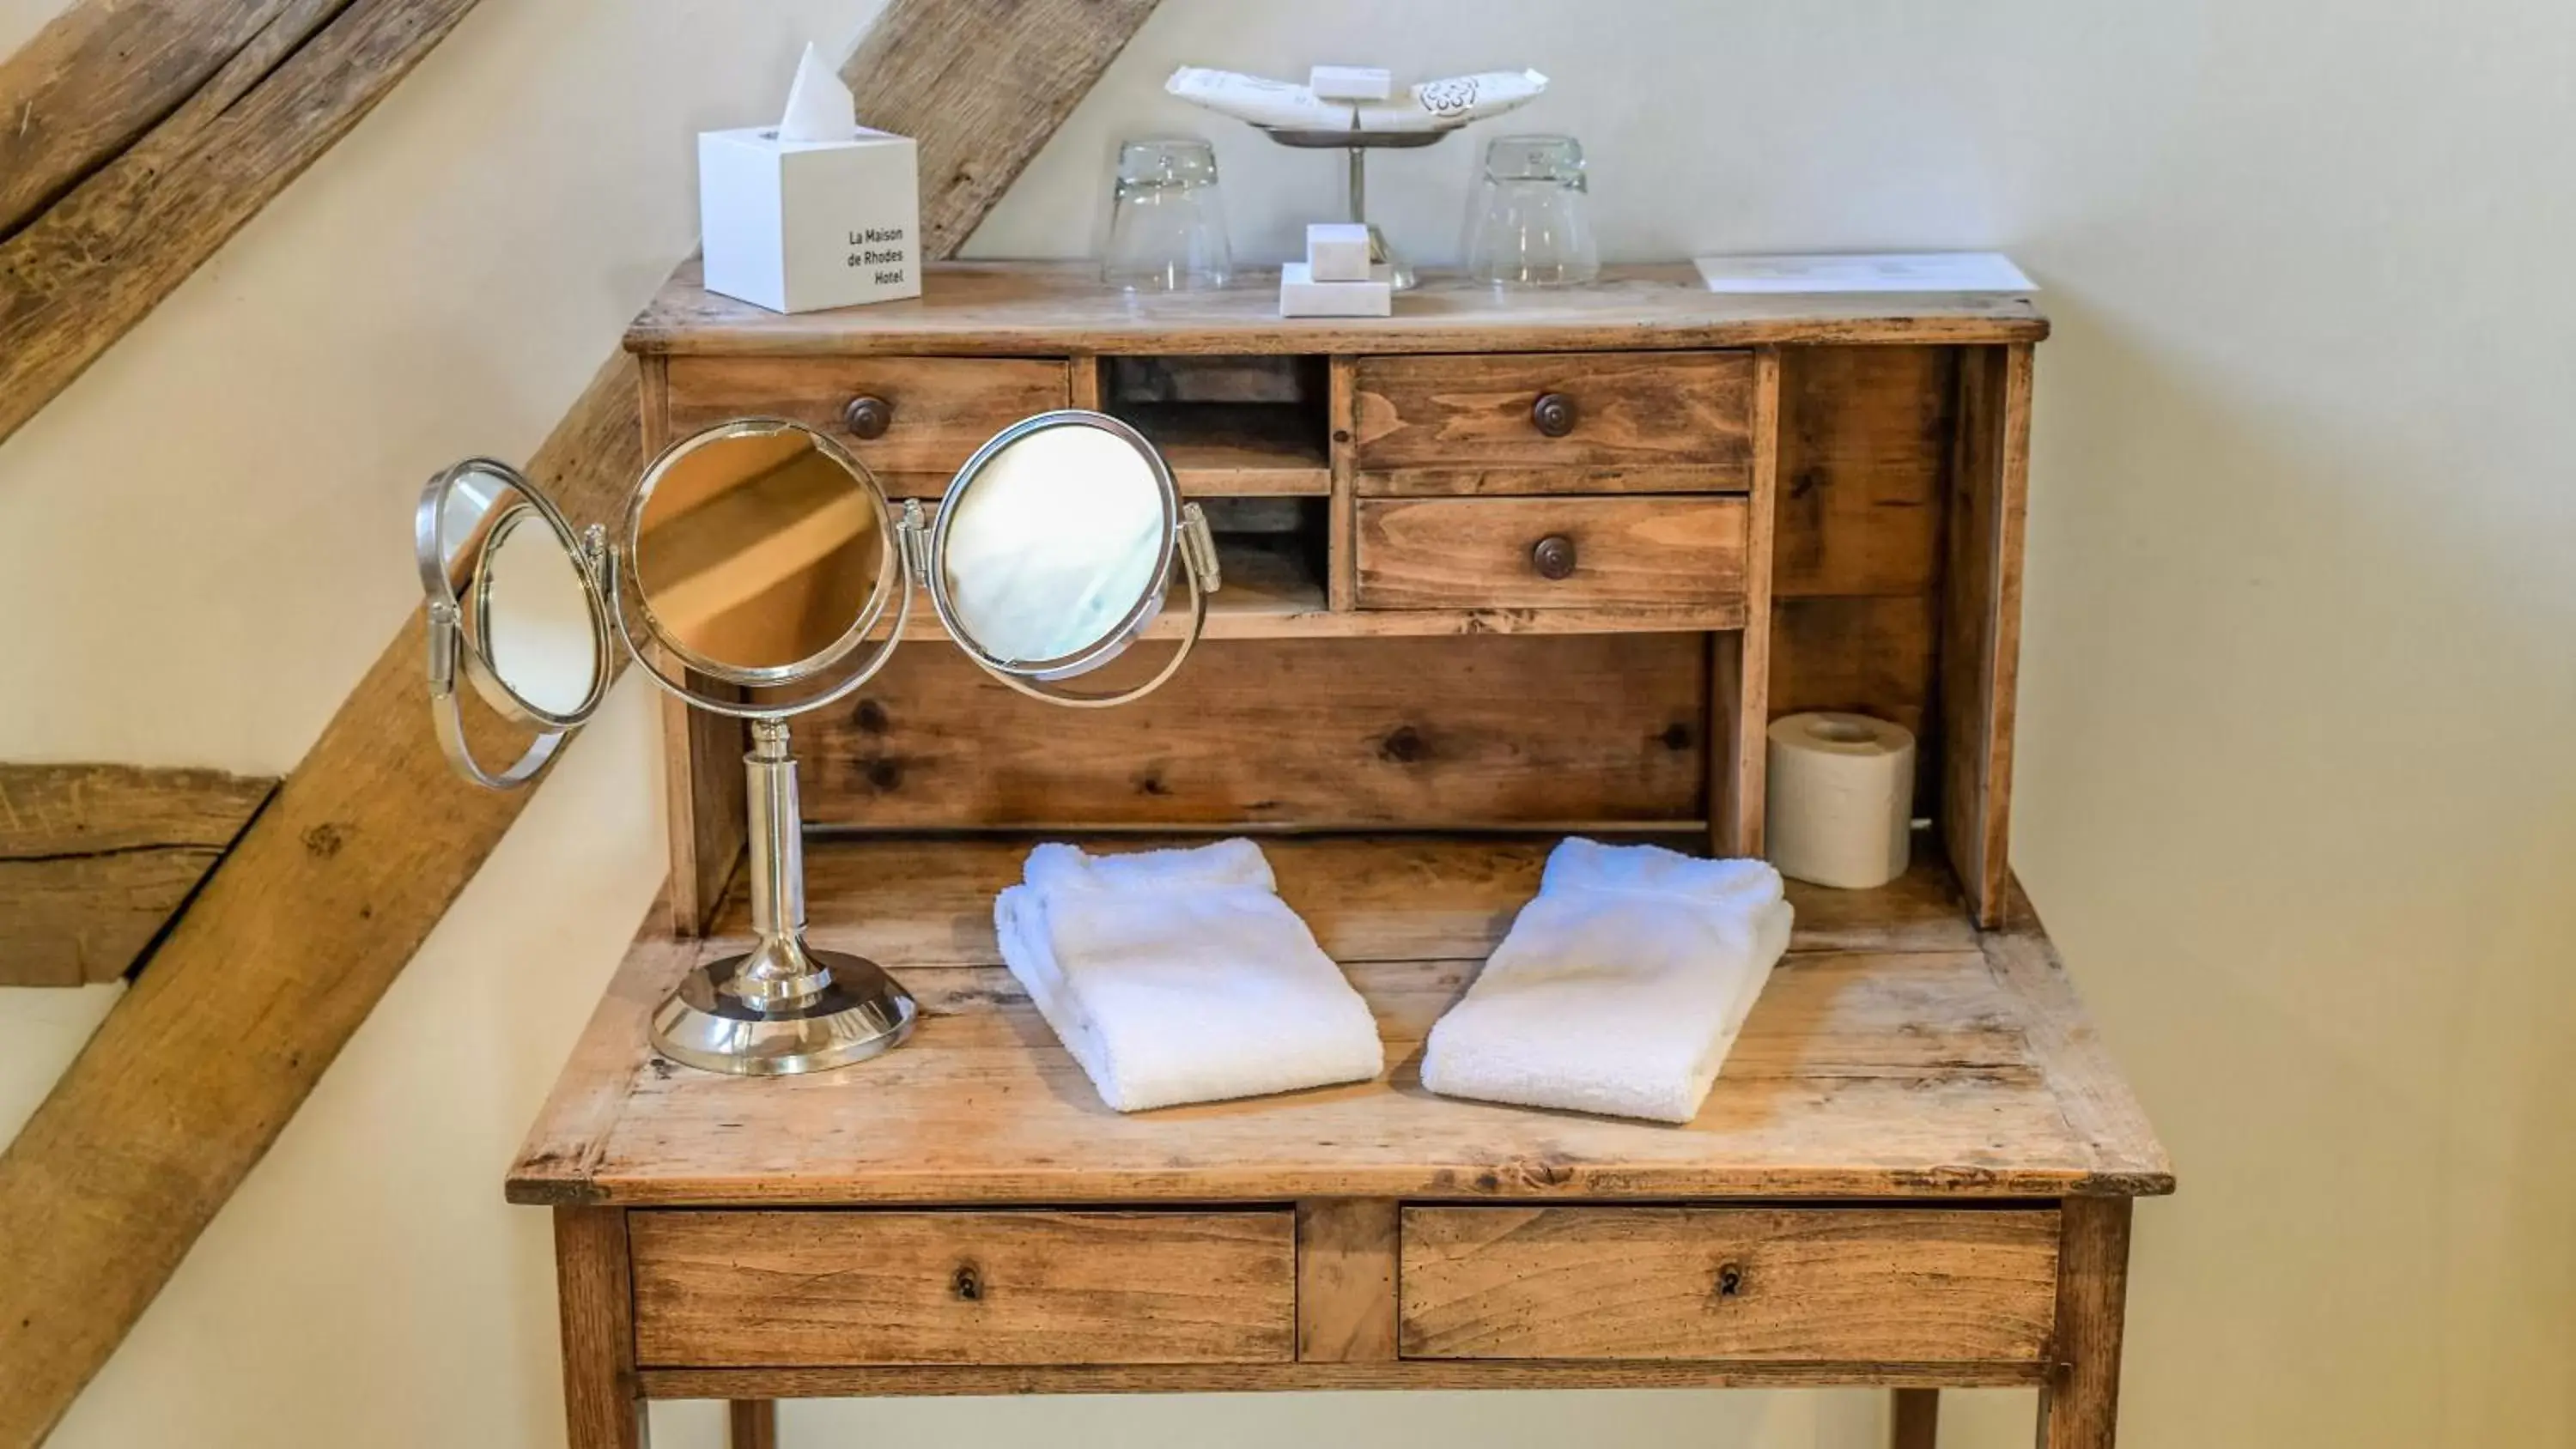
<point x="1166" y="223"/>
<point x="1529" y="221"/>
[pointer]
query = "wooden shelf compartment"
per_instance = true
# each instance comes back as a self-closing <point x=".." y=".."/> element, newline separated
<point x="1238" y="450"/>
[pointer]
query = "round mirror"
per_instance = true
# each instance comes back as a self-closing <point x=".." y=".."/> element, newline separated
<point x="509" y="594"/>
<point x="760" y="552"/>
<point x="506" y="567"/>
<point x="1055" y="546"/>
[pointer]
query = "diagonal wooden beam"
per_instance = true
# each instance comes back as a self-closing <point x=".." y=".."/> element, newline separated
<point x="328" y="894"/>
<point x="982" y="86"/>
<point x="94" y="860"/>
<point x="97" y="77"/>
<point x="267" y="100"/>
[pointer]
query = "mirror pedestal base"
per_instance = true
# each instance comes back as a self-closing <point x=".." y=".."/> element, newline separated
<point x="859" y="1013"/>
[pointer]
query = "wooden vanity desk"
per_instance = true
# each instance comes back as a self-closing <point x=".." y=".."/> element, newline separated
<point x="1495" y="571"/>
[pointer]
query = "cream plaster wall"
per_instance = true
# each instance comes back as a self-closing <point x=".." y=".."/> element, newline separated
<point x="2294" y="792"/>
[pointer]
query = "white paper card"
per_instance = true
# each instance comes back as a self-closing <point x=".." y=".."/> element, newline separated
<point x="1865" y="272"/>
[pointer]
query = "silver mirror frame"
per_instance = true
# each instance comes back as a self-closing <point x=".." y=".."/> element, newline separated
<point x="1186" y="540"/>
<point x="459" y="628"/>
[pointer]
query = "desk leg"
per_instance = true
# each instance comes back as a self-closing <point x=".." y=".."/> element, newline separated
<point x="753" y="1423"/>
<point x="594" y="1294"/>
<point x="2079" y="1408"/>
<point x="1917" y="1424"/>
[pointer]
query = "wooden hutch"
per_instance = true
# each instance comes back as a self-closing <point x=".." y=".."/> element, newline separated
<point x="1496" y="570"/>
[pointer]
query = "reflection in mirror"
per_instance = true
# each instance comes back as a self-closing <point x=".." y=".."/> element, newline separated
<point x="759" y="550"/>
<point x="1055" y="543"/>
<point x="532" y="615"/>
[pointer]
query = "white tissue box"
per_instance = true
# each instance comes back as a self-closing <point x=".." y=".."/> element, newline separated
<point x="797" y="226"/>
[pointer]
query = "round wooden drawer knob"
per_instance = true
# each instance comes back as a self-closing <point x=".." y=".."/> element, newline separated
<point x="1553" y="414"/>
<point x="1553" y="557"/>
<point x="868" y="416"/>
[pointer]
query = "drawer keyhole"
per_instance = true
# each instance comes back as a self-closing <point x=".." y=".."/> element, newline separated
<point x="1730" y="1280"/>
<point x="1553" y="557"/>
<point x="967" y="1284"/>
<point x="868" y="416"/>
<point x="1553" y="414"/>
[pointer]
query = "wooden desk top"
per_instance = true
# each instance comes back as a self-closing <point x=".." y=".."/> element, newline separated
<point x="1054" y="308"/>
<point x="1898" y="1052"/>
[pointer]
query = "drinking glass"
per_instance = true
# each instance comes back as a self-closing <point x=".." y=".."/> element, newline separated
<point x="1166" y="223"/>
<point x="1529" y="222"/>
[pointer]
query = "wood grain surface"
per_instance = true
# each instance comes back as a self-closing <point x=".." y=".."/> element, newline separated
<point x="594" y="1298"/>
<point x="1416" y="1374"/>
<point x="944" y="408"/>
<point x="1274" y="734"/>
<point x="262" y="101"/>
<point x="102" y="73"/>
<point x="2080" y="1407"/>
<point x="1981" y="621"/>
<point x="1666" y="422"/>
<point x="94" y="860"/>
<point x="1057" y="308"/>
<point x="1825" y="1284"/>
<point x="1480" y="553"/>
<point x="1366" y="897"/>
<point x="1864" y="456"/>
<point x="1739" y="662"/>
<point x="1884" y="1070"/>
<point x="720" y="1289"/>
<point x="1346" y="1270"/>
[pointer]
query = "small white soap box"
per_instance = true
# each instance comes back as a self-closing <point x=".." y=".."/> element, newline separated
<point x="797" y="226"/>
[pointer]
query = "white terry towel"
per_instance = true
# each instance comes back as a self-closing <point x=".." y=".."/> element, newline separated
<point x="1180" y="976"/>
<point x="1621" y="986"/>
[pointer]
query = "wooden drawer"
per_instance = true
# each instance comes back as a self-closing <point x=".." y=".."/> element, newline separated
<point x="1539" y="553"/>
<point x="939" y="409"/>
<point x="1827" y="1285"/>
<point x="733" y="1289"/>
<point x="1613" y="422"/>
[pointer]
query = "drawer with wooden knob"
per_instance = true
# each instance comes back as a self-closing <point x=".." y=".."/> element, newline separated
<point x="1828" y="1285"/>
<point x="1571" y="422"/>
<point x="913" y="420"/>
<point x="733" y="1289"/>
<point x="1540" y="553"/>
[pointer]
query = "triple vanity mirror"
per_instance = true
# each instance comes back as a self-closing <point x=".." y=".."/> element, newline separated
<point x="756" y="560"/>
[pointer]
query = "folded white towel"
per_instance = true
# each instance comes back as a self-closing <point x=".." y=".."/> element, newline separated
<point x="1180" y="976"/>
<point x="1621" y="986"/>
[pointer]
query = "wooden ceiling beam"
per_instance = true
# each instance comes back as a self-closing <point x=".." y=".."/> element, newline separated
<point x="94" y="860"/>
<point x="246" y="97"/>
<point x="328" y="894"/>
<point x="99" y="75"/>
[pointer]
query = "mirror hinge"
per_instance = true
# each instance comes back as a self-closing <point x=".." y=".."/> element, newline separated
<point x="913" y="535"/>
<point x="1198" y="546"/>
<point x="442" y="650"/>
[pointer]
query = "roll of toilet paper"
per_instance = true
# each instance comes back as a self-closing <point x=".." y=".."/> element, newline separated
<point x="1840" y="799"/>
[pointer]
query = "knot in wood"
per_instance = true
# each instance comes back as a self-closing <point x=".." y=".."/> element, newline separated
<point x="1403" y="745"/>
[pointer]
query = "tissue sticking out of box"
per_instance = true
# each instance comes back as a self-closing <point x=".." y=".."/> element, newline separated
<point x="1441" y="105"/>
<point x="819" y="107"/>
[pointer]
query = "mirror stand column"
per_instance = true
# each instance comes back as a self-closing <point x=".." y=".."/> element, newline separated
<point x="780" y="971"/>
<point x="782" y="1007"/>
